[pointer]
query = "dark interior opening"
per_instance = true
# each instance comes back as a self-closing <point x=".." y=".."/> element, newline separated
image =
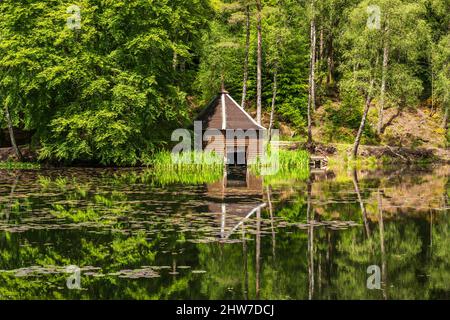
<point x="237" y="157"/>
<point x="236" y="176"/>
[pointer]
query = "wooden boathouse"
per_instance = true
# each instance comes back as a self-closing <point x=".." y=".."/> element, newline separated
<point x="230" y="131"/>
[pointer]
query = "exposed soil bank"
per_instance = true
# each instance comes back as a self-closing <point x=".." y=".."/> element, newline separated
<point x="383" y="153"/>
<point x="406" y="155"/>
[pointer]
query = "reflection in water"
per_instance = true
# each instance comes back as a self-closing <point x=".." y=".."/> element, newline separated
<point x="241" y="237"/>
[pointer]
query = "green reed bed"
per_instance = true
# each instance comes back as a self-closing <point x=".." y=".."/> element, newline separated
<point x="198" y="168"/>
<point x="292" y="165"/>
<point x="189" y="168"/>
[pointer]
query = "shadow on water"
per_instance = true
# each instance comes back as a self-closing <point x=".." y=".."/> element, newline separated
<point x="240" y="237"/>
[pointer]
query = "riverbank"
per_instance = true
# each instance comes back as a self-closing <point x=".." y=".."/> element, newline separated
<point x="338" y="154"/>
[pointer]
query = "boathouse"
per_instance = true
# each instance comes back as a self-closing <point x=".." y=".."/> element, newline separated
<point x="230" y="131"/>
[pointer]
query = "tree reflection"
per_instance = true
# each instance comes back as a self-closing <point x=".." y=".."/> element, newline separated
<point x="298" y="246"/>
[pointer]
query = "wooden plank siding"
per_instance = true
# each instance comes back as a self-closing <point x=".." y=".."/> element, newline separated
<point x="224" y="113"/>
<point x="218" y="143"/>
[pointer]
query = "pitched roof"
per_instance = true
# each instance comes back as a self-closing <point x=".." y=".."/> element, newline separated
<point x="223" y="112"/>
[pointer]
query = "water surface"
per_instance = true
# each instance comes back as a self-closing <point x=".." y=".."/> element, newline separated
<point x="128" y="236"/>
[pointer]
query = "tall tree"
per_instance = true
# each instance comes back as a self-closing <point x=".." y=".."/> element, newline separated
<point x="369" y="97"/>
<point x="277" y="33"/>
<point x="105" y="91"/>
<point x="404" y="38"/>
<point x="247" y="52"/>
<point x="11" y="134"/>
<point x="383" y="80"/>
<point x="441" y="63"/>
<point x="259" y="62"/>
<point x="312" y="67"/>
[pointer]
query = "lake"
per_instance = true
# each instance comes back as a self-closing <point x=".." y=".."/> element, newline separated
<point x="122" y="234"/>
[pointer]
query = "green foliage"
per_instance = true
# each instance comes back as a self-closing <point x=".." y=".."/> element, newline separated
<point x="292" y="166"/>
<point x="107" y="92"/>
<point x="342" y="120"/>
<point x="111" y="91"/>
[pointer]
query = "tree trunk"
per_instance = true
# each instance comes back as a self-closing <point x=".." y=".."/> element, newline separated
<point x="311" y="95"/>
<point x="175" y="61"/>
<point x="312" y="87"/>
<point x="274" y="97"/>
<point x="310" y="218"/>
<point x="382" y="246"/>
<point x="247" y="50"/>
<point x="330" y="60"/>
<point x="11" y="135"/>
<point x="321" y="45"/>
<point x="258" y="254"/>
<point x="363" y="121"/>
<point x="320" y="60"/>
<point x="361" y="202"/>
<point x="259" y="65"/>
<point x="383" y="87"/>
<point x="445" y="119"/>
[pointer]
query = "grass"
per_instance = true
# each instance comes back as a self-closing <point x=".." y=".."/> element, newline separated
<point x="169" y="177"/>
<point x="190" y="168"/>
<point x="292" y="165"/>
<point x="163" y="169"/>
<point x="188" y="162"/>
<point x="12" y="165"/>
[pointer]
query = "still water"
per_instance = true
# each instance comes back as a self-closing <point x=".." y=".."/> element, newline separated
<point x="115" y="234"/>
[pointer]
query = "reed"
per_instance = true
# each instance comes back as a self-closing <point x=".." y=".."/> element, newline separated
<point x="186" y="162"/>
<point x="189" y="168"/>
<point x="292" y="165"/>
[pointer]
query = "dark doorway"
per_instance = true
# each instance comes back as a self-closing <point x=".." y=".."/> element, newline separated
<point x="237" y="156"/>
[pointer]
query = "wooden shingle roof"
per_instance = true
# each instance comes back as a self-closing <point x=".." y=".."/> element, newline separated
<point x="223" y="113"/>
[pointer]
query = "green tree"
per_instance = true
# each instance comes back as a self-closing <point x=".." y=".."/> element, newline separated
<point x="106" y="91"/>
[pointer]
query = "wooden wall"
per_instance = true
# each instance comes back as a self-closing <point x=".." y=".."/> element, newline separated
<point x="218" y="143"/>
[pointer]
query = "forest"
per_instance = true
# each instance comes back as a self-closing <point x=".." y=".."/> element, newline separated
<point x="352" y="204"/>
<point x="107" y="81"/>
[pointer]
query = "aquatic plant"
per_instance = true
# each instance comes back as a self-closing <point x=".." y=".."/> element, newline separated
<point x="186" y="161"/>
<point x="292" y="165"/>
<point x="45" y="182"/>
<point x="188" y="168"/>
<point x="61" y="183"/>
<point x="173" y="176"/>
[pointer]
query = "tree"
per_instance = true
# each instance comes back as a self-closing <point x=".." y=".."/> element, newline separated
<point x="402" y="36"/>
<point x="106" y="92"/>
<point x="259" y="63"/>
<point x="440" y="62"/>
<point x="277" y="34"/>
<point x="312" y="66"/>
<point x="247" y="52"/>
<point x="360" y="69"/>
<point x="11" y="133"/>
